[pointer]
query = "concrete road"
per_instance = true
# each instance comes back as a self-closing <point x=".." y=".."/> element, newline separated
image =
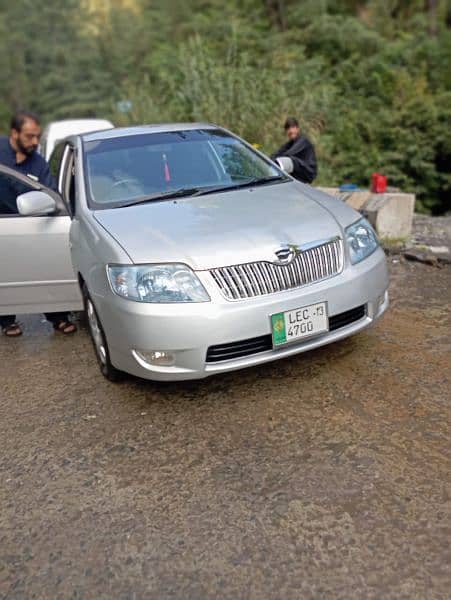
<point x="322" y="476"/>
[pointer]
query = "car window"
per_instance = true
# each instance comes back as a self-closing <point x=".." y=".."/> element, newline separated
<point x="124" y="168"/>
<point x="238" y="162"/>
<point x="55" y="160"/>
<point x="10" y="188"/>
<point x="68" y="187"/>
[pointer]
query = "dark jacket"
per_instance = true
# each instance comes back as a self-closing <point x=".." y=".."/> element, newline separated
<point x="302" y="153"/>
<point x="34" y="165"/>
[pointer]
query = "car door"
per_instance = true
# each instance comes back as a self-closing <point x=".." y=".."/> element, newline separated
<point x="36" y="273"/>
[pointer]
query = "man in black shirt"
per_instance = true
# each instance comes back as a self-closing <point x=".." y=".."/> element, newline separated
<point x="19" y="152"/>
<point x="300" y="150"/>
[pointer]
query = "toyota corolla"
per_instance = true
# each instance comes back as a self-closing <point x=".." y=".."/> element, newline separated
<point x="192" y="253"/>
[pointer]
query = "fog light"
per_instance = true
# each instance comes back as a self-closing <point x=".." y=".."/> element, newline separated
<point x="157" y="358"/>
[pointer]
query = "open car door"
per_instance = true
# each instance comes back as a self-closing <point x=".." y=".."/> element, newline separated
<point x="36" y="272"/>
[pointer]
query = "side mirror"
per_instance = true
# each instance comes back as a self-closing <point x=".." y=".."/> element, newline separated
<point x="285" y="163"/>
<point x="35" y="203"/>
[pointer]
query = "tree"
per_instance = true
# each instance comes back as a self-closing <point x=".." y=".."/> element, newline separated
<point x="369" y="79"/>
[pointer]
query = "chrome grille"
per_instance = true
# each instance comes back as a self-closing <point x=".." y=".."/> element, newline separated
<point x="259" y="278"/>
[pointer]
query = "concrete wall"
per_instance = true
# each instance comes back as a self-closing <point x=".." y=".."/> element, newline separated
<point x="391" y="214"/>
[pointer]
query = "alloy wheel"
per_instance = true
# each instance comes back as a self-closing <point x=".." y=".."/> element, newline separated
<point x="96" y="333"/>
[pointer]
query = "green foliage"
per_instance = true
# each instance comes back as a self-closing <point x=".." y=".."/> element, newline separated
<point x="370" y="80"/>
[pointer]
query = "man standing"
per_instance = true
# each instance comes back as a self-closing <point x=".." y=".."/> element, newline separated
<point x="300" y="150"/>
<point x="19" y="152"/>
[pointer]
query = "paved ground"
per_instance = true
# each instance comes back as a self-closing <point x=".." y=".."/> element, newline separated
<point x="322" y="476"/>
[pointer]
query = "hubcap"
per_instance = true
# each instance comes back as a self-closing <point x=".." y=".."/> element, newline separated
<point x="96" y="332"/>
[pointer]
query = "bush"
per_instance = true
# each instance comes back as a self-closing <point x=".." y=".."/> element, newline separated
<point x="370" y="86"/>
<point x="365" y="112"/>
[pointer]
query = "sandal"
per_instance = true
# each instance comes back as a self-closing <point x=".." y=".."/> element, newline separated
<point x="13" y="330"/>
<point x="65" y="327"/>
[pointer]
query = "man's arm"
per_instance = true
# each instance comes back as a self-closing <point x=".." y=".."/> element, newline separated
<point x="46" y="178"/>
<point x="281" y="151"/>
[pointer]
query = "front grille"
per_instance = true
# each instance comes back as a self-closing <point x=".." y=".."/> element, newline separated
<point x="263" y="343"/>
<point x="260" y="278"/>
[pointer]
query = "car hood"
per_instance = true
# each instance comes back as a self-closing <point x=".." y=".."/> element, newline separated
<point x="220" y="229"/>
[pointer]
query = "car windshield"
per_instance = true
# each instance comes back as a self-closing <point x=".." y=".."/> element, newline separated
<point x="145" y="167"/>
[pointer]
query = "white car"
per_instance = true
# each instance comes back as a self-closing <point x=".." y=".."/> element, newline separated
<point x="59" y="130"/>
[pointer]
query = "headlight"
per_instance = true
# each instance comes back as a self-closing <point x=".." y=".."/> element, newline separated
<point x="157" y="283"/>
<point x="362" y="240"/>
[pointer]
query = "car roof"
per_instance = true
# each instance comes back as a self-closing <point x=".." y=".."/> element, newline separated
<point x="107" y="134"/>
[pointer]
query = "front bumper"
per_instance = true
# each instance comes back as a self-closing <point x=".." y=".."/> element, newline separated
<point x="188" y="330"/>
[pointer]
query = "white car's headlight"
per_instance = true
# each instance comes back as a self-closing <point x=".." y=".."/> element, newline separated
<point x="157" y="283"/>
<point x="362" y="240"/>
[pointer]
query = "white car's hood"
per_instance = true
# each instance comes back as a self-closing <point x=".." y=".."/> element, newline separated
<point x="220" y="229"/>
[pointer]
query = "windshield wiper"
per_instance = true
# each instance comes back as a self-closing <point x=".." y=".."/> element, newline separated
<point x="263" y="180"/>
<point x="180" y="193"/>
<point x="183" y="192"/>
<point x="250" y="182"/>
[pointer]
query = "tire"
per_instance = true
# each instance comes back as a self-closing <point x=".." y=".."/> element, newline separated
<point x="99" y="340"/>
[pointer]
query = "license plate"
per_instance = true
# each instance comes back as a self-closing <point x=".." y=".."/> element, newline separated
<point x="299" y="323"/>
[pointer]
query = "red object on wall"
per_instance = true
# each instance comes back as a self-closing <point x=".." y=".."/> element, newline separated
<point x="378" y="183"/>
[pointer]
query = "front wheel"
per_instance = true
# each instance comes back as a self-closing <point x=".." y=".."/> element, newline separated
<point x="99" y="340"/>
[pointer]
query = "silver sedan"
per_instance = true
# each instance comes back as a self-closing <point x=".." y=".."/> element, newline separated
<point x="191" y="252"/>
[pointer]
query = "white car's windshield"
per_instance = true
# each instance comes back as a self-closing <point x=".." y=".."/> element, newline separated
<point x="138" y="168"/>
